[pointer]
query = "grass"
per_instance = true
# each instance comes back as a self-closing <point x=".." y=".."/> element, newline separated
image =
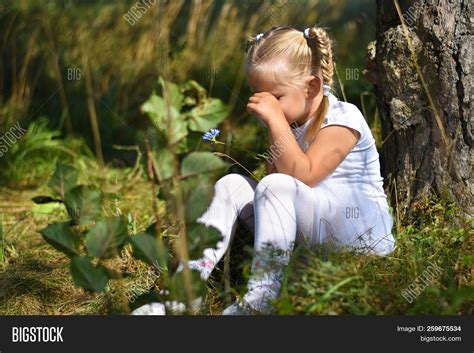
<point x="41" y="147"/>
<point x="344" y="283"/>
<point x="2" y="245"/>
<point x="35" y="278"/>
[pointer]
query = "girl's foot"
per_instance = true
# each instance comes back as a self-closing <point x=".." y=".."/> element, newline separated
<point x="150" y="309"/>
<point x="243" y="307"/>
<point x="237" y="309"/>
<point x="174" y="307"/>
<point x="204" y="267"/>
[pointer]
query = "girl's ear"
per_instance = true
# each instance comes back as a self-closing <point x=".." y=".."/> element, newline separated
<point x="312" y="87"/>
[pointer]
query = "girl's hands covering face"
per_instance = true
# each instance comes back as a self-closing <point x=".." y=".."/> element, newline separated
<point x="266" y="107"/>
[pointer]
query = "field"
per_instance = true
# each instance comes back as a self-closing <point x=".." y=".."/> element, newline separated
<point x="92" y="95"/>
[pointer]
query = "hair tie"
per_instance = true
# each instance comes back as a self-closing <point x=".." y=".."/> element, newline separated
<point x="326" y="90"/>
<point x="306" y="33"/>
<point x="260" y="35"/>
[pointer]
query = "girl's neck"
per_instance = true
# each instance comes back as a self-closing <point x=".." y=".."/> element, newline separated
<point x="314" y="108"/>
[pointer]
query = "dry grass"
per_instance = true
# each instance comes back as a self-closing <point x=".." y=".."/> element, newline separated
<point x="35" y="278"/>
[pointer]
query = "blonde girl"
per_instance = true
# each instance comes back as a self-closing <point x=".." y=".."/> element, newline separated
<point x="324" y="184"/>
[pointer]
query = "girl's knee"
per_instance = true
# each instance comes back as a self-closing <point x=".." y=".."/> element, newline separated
<point x="277" y="182"/>
<point x="235" y="184"/>
<point x="229" y="180"/>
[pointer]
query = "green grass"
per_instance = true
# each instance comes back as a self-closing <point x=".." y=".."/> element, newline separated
<point x="35" y="278"/>
<point x="32" y="159"/>
<point x="348" y="284"/>
<point x="2" y="245"/>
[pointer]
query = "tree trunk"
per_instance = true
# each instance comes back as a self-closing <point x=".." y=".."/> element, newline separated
<point x="427" y="123"/>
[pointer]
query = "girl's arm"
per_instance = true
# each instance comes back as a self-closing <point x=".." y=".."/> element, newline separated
<point x="326" y="152"/>
<point x="270" y="168"/>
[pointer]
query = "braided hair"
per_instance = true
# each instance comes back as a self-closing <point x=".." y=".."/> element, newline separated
<point x="305" y="52"/>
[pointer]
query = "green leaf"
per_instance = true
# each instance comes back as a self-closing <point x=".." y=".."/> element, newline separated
<point x="62" y="238"/>
<point x="39" y="200"/>
<point x="207" y="115"/>
<point x="164" y="163"/>
<point x="106" y="238"/>
<point x="174" y="95"/>
<point x="193" y="91"/>
<point x="83" y="203"/>
<point x="201" y="237"/>
<point x="183" y="145"/>
<point x="145" y="298"/>
<point x="157" y="110"/>
<point x="86" y="276"/>
<point x="53" y="208"/>
<point x="179" y="129"/>
<point x="197" y="192"/>
<point x="200" y="162"/>
<point x="64" y="179"/>
<point x="177" y="290"/>
<point x="145" y="248"/>
<point x="151" y="230"/>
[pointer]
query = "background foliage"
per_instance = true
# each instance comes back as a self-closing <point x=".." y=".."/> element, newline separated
<point x="91" y="89"/>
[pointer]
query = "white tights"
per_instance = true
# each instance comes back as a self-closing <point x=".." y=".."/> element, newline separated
<point x="281" y="210"/>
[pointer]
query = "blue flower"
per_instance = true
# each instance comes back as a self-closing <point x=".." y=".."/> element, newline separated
<point x="211" y="135"/>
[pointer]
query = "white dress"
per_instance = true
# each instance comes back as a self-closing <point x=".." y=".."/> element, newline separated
<point x="347" y="209"/>
<point x="352" y="204"/>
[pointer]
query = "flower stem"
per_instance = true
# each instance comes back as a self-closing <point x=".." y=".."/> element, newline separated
<point x="255" y="155"/>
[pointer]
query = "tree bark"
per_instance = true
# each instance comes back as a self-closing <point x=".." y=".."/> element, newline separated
<point x="422" y="155"/>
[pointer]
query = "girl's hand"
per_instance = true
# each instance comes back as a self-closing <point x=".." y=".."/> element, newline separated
<point x="266" y="107"/>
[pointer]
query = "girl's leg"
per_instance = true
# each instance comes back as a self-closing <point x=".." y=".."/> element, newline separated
<point x="289" y="211"/>
<point x="233" y="197"/>
<point x="283" y="205"/>
<point x="353" y="219"/>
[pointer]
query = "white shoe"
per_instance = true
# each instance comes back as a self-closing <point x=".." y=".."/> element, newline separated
<point x="174" y="307"/>
<point x="150" y="309"/>
<point x="236" y="309"/>
<point x="249" y="305"/>
<point x="241" y="308"/>
<point x="179" y="308"/>
<point x="204" y="268"/>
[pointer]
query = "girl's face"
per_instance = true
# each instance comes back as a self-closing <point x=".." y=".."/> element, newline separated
<point x="295" y="101"/>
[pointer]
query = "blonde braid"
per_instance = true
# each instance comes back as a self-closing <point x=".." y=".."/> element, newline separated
<point x="304" y="52"/>
<point x="321" y="47"/>
<point x="324" y="51"/>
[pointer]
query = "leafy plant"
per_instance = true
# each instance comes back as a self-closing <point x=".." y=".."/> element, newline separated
<point x="179" y="114"/>
<point x="2" y="245"/>
<point x="85" y="238"/>
<point x="89" y="239"/>
<point x="32" y="159"/>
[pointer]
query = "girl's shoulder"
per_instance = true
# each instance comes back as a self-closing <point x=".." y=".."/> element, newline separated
<point x="346" y="114"/>
<point x="339" y="110"/>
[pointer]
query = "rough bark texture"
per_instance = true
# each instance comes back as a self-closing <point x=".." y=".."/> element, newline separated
<point x="414" y="156"/>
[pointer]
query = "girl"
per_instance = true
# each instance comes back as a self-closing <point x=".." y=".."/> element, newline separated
<point x="324" y="184"/>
